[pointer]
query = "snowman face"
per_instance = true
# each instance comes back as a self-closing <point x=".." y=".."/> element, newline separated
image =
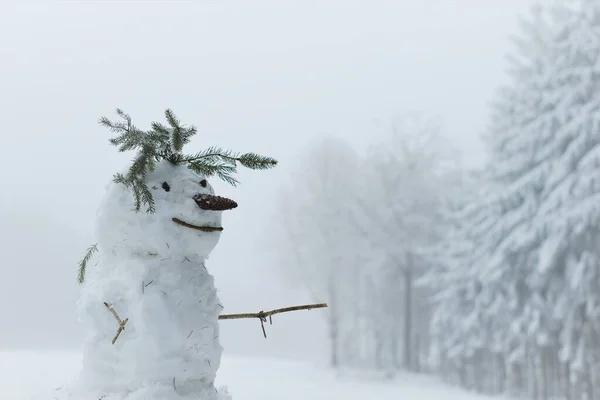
<point x="187" y="218"/>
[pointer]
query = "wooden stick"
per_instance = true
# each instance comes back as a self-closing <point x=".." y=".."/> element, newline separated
<point x="199" y="228"/>
<point x="262" y="315"/>
<point x="121" y="323"/>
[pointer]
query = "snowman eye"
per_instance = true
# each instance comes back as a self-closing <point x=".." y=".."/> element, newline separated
<point x="166" y="186"/>
<point x="203" y="183"/>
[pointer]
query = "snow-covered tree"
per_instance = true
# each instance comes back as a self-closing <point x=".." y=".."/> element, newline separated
<point x="356" y="232"/>
<point x="568" y="217"/>
<point x="534" y="256"/>
<point x="312" y="231"/>
<point x="501" y="316"/>
<point x="406" y="177"/>
<point x="455" y="323"/>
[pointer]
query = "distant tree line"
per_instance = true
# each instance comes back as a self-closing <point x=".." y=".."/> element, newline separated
<point x="489" y="278"/>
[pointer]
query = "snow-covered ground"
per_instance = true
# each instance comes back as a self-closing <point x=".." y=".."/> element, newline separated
<point x="26" y="375"/>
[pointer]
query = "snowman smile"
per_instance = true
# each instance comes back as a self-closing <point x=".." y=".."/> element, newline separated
<point x="196" y="227"/>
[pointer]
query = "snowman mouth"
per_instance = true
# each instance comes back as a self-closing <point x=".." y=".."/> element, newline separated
<point x="208" y="202"/>
<point x="196" y="227"/>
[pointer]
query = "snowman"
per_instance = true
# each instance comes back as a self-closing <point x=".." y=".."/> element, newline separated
<point x="149" y="306"/>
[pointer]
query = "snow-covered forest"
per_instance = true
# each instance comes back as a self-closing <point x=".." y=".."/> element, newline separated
<point x="488" y="278"/>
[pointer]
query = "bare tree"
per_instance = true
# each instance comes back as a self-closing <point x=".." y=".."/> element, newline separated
<point x="314" y="239"/>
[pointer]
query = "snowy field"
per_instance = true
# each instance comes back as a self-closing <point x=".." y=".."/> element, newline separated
<point x="26" y="375"/>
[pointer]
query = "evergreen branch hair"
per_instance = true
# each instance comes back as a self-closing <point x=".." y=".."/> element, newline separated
<point x="166" y="142"/>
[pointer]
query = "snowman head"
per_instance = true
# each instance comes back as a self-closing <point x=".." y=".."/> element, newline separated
<point x="183" y="218"/>
<point x="186" y="220"/>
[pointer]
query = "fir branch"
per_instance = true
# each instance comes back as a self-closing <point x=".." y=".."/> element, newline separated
<point x="180" y="135"/>
<point x="209" y="168"/>
<point x="118" y="127"/>
<point x="129" y="136"/>
<point x="140" y="162"/>
<point x="146" y="195"/>
<point x="83" y="262"/>
<point x="160" y="129"/>
<point x="213" y="154"/>
<point x="161" y="135"/>
<point x="255" y="161"/>
<point x="165" y="142"/>
<point x="248" y="160"/>
<point x="176" y="139"/>
<point x="224" y="173"/>
<point x="141" y="191"/>
<point x="187" y="133"/>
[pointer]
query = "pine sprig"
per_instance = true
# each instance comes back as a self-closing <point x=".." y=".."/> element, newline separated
<point x="255" y="161"/>
<point x="166" y="142"/>
<point x="83" y="262"/>
<point x="248" y="160"/>
<point x="141" y="192"/>
<point x="213" y="167"/>
<point x="180" y="134"/>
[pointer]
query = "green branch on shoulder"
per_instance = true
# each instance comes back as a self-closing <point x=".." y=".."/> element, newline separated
<point x="84" y="261"/>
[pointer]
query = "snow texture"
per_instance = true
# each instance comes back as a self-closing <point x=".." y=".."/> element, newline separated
<point x="25" y="374"/>
<point x="151" y="270"/>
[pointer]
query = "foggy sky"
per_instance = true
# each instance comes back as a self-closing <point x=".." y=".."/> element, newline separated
<point x="258" y="76"/>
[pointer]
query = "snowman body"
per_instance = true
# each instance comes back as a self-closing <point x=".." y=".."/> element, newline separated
<point x="152" y="272"/>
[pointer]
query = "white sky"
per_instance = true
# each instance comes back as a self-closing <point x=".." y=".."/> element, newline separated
<point x="254" y="76"/>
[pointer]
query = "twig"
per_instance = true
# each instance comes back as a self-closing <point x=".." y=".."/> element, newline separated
<point x="199" y="228"/>
<point x="146" y="285"/>
<point x="121" y="323"/>
<point x="262" y="315"/>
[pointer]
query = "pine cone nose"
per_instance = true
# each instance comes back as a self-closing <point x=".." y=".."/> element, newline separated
<point x="214" y="203"/>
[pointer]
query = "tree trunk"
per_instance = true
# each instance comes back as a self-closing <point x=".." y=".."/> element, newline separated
<point x="543" y="370"/>
<point x="589" y="386"/>
<point x="568" y="387"/>
<point x="333" y="323"/>
<point x="378" y="350"/>
<point x="417" y="360"/>
<point x="394" y="346"/>
<point x="462" y="371"/>
<point x="514" y="379"/>
<point x="501" y="368"/>
<point x="557" y="390"/>
<point x="478" y="371"/>
<point x="534" y="375"/>
<point x="519" y="379"/>
<point x="408" y="314"/>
